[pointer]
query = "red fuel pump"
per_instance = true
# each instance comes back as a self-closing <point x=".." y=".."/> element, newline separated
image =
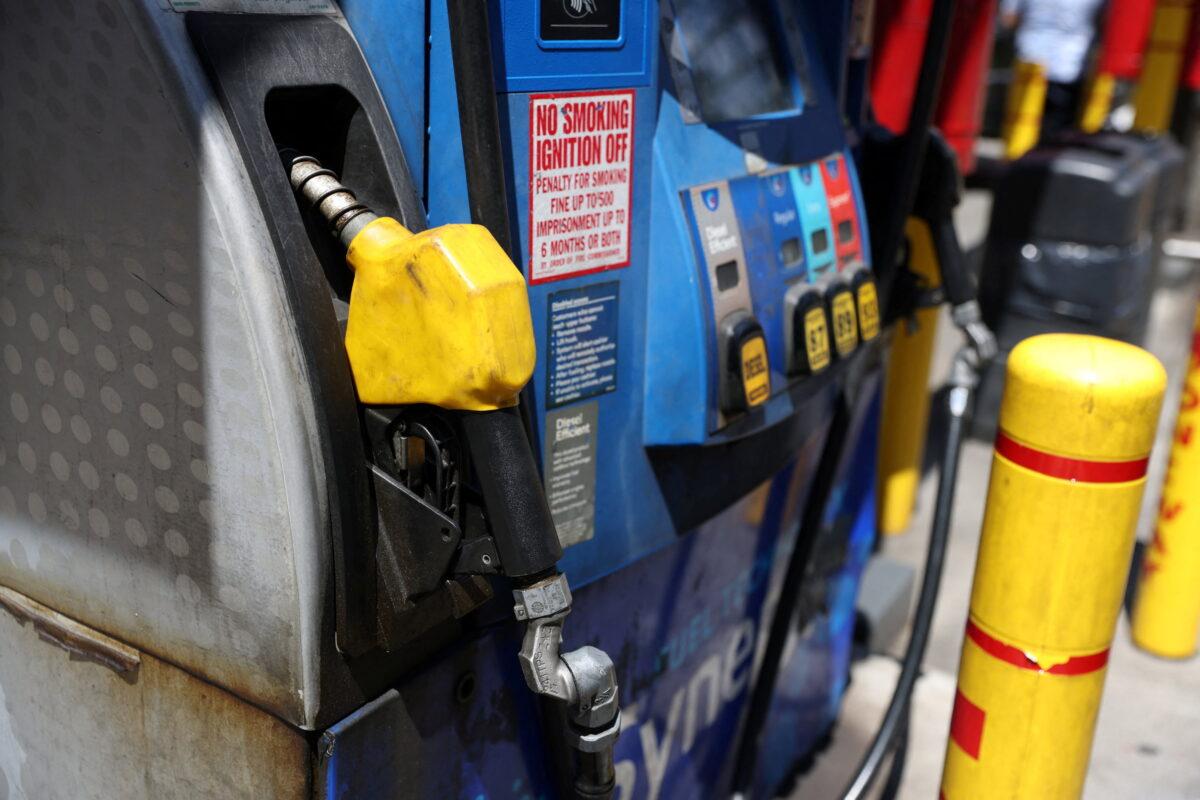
<point x="1189" y="76"/>
<point x="1122" y="50"/>
<point x="900" y="28"/>
<point x="1126" y="29"/>
<point x="960" y="103"/>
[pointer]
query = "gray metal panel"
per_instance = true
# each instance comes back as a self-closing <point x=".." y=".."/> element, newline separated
<point x="73" y="729"/>
<point x="157" y="474"/>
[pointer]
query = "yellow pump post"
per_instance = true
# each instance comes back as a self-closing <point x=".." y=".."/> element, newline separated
<point x="1166" y="615"/>
<point x="1154" y="100"/>
<point x="906" y="395"/>
<point x="1077" y="422"/>
<point x="1098" y="102"/>
<point x="1023" y="109"/>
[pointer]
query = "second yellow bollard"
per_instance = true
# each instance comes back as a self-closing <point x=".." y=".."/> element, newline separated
<point x="1023" y="109"/>
<point x="1077" y="422"/>
<point x="906" y="395"/>
<point x="1097" y="103"/>
<point x="1154" y="99"/>
<point x="1166" y="615"/>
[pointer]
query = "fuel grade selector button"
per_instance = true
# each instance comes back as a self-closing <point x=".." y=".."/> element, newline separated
<point x="807" y="333"/>
<point x="844" y="316"/>
<point x="747" y="375"/>
<point x="866" y="301"/>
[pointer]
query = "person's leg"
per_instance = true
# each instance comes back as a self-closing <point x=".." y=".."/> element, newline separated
<point x="1062" y="108"/>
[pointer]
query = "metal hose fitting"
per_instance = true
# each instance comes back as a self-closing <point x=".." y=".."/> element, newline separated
<point x="581" y="685"/>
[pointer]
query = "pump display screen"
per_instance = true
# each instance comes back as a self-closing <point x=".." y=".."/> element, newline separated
<point x="736" y="69"/>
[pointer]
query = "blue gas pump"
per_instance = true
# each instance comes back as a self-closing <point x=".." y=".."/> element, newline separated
<point x="206" y="511"/>
<point x="662" y="164"/>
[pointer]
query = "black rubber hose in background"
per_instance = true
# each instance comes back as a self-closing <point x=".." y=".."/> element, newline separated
<point x="891" y="787"/>
<point x="896" y="716"/>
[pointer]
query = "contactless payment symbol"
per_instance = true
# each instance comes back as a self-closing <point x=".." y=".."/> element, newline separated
<point x="578" y="21"/>
<point x="578" y="9"/>
<point x="711" y="198"/>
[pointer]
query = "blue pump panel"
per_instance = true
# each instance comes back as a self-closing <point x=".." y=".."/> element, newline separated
<point x="777" y="230"/>
<point x="784" y="223"/>
<point x="533" y="54"/>
<point x="677" y="509"/>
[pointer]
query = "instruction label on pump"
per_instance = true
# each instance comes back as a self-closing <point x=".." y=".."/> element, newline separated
<point x="570" y="471"/>
<point x="580" y="183"/>
<point x="582" y="345"/>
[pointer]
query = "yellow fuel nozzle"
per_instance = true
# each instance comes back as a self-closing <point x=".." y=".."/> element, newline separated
<point x="439" y="317"/>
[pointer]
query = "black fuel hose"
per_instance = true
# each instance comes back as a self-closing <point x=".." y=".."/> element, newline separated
<point x="479" y="118"/>
<point x="762" y="692"/>
<point x="896" y="717"/>
<point x="891" y="787"/>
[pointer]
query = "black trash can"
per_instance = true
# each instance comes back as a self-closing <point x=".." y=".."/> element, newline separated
<point x="1073" y="243"/>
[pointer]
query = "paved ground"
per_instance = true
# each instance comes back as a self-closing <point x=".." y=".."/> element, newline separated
<point x="1147" y="742"/>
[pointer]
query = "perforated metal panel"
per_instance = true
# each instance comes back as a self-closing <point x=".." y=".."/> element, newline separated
<point x="158" y="477"/>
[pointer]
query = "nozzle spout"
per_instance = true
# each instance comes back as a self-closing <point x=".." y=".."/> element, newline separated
<point x="337" y="204"/>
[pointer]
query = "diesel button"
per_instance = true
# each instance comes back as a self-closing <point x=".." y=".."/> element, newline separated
<point x="746" y="372"/>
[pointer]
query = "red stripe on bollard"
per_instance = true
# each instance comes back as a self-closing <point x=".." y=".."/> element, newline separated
<point x="1070" y="469"/>
<point x="966" y="725"/>
<point x="1075" y="665"/>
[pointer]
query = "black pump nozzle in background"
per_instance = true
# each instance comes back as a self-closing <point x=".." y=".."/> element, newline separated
<point x="938" y="194"/>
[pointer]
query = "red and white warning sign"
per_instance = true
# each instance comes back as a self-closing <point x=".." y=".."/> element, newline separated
<point x="580" y="182"/>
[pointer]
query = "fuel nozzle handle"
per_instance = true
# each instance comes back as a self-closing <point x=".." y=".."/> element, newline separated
<point x="938" y="193"/>
<point x="441" y="318"/>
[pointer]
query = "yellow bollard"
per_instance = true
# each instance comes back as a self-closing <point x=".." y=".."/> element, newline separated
<point x="1098" y="102"/>
<point x="1166" y="614"/>
<point x="906" y="395"/>
<point x="1154" y="100"/>
<point x="1076" y="426"/>
<point x="1023" y="109"/>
